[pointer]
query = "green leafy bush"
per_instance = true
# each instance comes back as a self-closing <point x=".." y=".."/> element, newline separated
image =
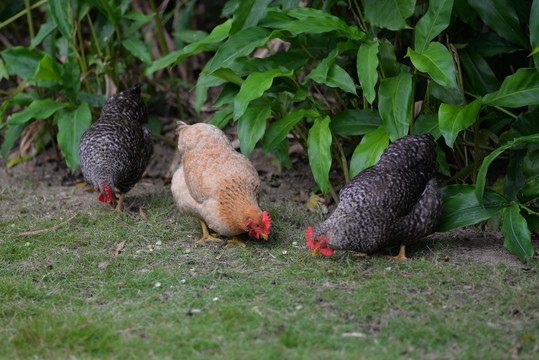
<point x="351" y="79"/>
<point x="60" y="82"/>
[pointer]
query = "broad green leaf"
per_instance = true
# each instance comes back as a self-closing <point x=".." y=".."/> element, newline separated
<point x="500" y="15"/>
<point x="22" y="61"/>
<point x="339" y="78"/>
<point x="238" y="45"/>
<point x="71" y="78"/>
<point x="93" y="100"/>
<point x="218" y="34"/>
<point x="59" y="11"/>
<point x="443" y="166"/>
<point x="454" y="118"/>
<point x="532" y="218"/>
<point x="252" y="124"/>
<point x="389" y="14"/>
<point x="71" y="126"/>
<point x="453" y="96"/>
<point x="394" y="103"/>
<point x="388" y="60"/>
<point x="519" y="89"/>
<point x="367" y="65"/>
<point x="427" y="124"/>
<point x="319" y="149"/>
<point x="462" y="207"/>
<point x="3" y="72"/>
<point x="491" y="44"/>
<point x="247" y="14"/>
<point x="279" y="130"/>
<point x="48" y="69"/>
<point x="281" y="153"/>
<point x="10" y="136"/>
<point x="514" y="177"/>
<point x="530" y="164"/>
<point x="253" y="87"/>
<point x="320" y="72"/>
<point x="228" y="75"/>
<point x="369" y="150"/>
<point x="437" y="61"/>
<point x="44" y="31"/>
<point x="227" y="95"/>
<point x="534" y="32"/>
<point x="39" y="109"/>
<point x="355" y="122"/>
<point x="517" y="236"/>
<point x="138" y="49"/>
<point x="482" y="174"/>
<point x="480" y="77"/>
<point x="530" y="192"/>
<point x="432" y="23"/>
<point x="316" y="21"/>
<point x="464" y="12"/>
<point x="203" y="84"/>
<point x="222" y="117"/>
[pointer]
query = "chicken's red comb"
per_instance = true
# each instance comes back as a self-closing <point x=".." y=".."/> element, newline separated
<point x="309" y="237"/>
<point x="266" y="220"/>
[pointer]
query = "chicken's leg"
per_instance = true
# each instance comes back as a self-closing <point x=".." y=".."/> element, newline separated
<point x="120" y="203"/>
<point x="402" y="253"/>
<point x="206" y="234"/>
<point x="235" y="241"/>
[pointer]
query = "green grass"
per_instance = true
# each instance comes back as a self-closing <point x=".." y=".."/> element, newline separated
<point x="164" y="296"/>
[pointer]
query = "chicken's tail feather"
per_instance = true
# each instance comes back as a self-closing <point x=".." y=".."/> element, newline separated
<point x="180" y="126"/>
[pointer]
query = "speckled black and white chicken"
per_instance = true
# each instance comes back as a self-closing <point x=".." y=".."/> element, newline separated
<point x="115" y="150"/>
<point x="396" y="201"/>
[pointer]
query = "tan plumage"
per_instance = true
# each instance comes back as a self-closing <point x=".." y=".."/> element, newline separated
<point x="216" y="184"/>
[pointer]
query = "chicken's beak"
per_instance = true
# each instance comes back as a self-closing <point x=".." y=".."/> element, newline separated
<point x="264" y="236"/>
<point x="315" y="251"/>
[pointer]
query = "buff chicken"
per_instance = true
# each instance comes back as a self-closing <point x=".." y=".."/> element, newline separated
<point x="396" y="201"/>
<point x="115" y="150"/>
<point x="217" y="185"/>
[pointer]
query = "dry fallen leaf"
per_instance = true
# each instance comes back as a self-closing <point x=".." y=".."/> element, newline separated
<point x="80" y="185"/>
<point x="142" y="214"/>
<point x="312" y="203"/>
<point x="116" y="250"/>
<point x="103" y="265"/>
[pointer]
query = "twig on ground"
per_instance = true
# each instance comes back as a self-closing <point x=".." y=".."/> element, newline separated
<point x="56" y="227"/>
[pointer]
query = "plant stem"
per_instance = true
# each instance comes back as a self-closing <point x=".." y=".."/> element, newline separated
<point x="343" y="161"/>
<point x="82" y="55"/>
<point x="412" y="111"/>
<point x="22" y="13"/>
<point x="333" y="193"/>
<point x="164" y="139"/>
<point x="159" y="27"/>
<point x="29" y="18"/>
<point x="360" y="14"/>
<point x="94" y="35"/>
<point x="476" y="150"/>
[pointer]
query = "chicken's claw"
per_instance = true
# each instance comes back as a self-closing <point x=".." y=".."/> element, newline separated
<point x="206" y="234"/>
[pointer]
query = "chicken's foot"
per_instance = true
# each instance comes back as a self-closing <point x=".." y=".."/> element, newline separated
<point x="235" y="241"/>
<point x="401" y="255"/>
<point x="206" y="234"/>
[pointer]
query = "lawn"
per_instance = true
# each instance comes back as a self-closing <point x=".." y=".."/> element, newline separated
<point x="69" y="293"/>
